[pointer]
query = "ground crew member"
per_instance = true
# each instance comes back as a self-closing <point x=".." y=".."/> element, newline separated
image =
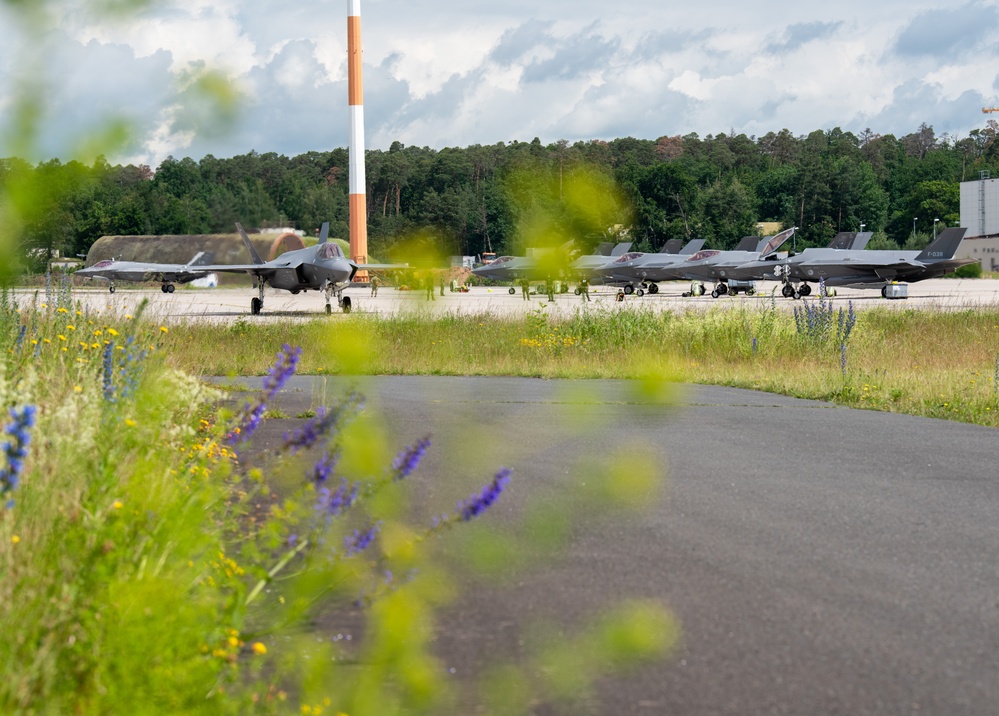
<point x="442" y="285"/>
<point x="525" y="289"/>
<point x="584" y="289"/>
<point x="550" y="288"/>
<point x="374" y="286"/>
<point x="428" y="283"/>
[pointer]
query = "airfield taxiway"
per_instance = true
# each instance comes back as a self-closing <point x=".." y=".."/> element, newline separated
<point x="228" y="304"/>
<point x="821" y="560"/>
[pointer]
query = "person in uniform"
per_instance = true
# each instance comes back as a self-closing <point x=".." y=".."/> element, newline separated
<point x="374" y="286"/>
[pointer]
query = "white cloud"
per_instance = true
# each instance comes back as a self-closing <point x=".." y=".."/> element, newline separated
<point x="442" y="74"/>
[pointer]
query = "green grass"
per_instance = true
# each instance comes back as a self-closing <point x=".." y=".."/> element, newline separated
<point x="923" y="362"/>
<point x="146" y="567"/>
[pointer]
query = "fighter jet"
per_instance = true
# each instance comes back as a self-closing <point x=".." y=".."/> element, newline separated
<point x="719" y="265"/>
<point x="771" y="266"/>
<point x="322" y="267"/>
<point x="647" y="269"/>
<point x="510" y="268"/>
<point x="111" y="270"/>
<point x="872" y="269"/>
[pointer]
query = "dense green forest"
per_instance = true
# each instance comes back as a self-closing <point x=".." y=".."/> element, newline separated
<point x="482" y="198"/>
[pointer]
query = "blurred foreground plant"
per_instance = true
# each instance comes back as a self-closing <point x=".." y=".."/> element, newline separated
<point x="158" y="560"/>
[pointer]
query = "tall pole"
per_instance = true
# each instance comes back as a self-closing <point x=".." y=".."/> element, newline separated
<point x="355" y="92"/>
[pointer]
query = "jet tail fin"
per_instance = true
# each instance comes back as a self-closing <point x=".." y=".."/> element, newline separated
<point x="324" y="233"/>
<point x="249" y="247"/>
<point x="671" y="247"/>
<point x="200" y="258"/>
<point x="621" y="249"/>
<point x="861" y="240"/>
<point x="842" y="240"/>
<point x="693" y="246"/>
<point x="945" y="246"/>
<point x="747" y="243"/>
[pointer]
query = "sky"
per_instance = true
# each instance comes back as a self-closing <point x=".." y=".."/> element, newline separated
<point x="444" y="73"/>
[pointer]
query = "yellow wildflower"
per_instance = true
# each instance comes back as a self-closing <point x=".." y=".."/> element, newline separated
<point x="117" y="504"/>
<point x="15" y="539"/>
<point x="259" y="648"/>
<point x="113" y="332"/>
<point x="163" y="329"/>
<point x="77" y="389"/>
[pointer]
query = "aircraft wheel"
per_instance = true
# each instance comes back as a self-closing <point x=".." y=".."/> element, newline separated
<point x="640" y="292"/>
<point x="169" y="288"/>
<point x="805" y="289"/>
<point x="723" y="289"/>
<point x="629" y="289"/>
<point x="255" y="305"/>
<point x="163" y="288"/>
<point x="653" y="288"/>
<point x="576" y="291"/>
<point x="111" y="289"/>
<point x="329" y="309"/>
<point x="750" y="291"/>
<point x="346" y="304"/>
<point x="797" y="295"/>
<point x="884" y="292"/>
<point x="787" y="291"/>
<point x="715" y="293"/>
<point x="512" y="291"/>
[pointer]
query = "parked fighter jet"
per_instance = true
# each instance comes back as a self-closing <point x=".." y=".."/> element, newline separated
<point x="137" y="272"/>
<point x="720" y="265"/>
<point x="770" y="267"/>
<point x="872" y="269"/>
<point x="510" y="268"/>
<point x="647" y="269"/>
<point x="322" y="267"/>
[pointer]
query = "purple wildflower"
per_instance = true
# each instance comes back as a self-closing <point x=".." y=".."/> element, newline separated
<point x="361" y="539"/>
<point x="323" y="469"/>
<point x="409" y="458"/>
<point x="335" y="502"/>
<point x="16" y="449"/>
<point x="476" y="505"/>
<point x="251" y="414"/>
<point x="284" y="368"/>
<point x="842" y="357"/>
<point x="325" y="422"/>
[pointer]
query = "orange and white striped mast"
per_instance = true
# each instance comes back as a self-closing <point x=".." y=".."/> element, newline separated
<point x="358" y="200"/>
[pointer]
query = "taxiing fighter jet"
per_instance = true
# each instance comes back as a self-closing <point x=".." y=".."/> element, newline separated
<point x="138" y="272"/>
<point x="322" y="267"/>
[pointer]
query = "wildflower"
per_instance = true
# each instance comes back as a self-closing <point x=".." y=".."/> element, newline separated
<point x="163" y="329"/>
<point x="117" y="504"/>
<point x="15" y="539"/>
<point x="259" y="648"/>
<point x="112" y="332"/>
<point x="360" y="540"/>
<point x="252" y="414"/>
<point x="16" y="449"/>
<point x="326" y="421"/>
<point x="335" y="502"/>
<point x="475" y="506"/>
<point x="409" y="458"/>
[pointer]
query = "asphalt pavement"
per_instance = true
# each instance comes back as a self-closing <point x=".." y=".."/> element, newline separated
<point x="821" y="560"/>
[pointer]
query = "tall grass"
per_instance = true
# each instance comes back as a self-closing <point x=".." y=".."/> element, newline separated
<point x="922" y="362"/>
<point x="153" y="559"/>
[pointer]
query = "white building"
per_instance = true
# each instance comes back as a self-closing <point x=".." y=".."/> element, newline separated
<point x="980" y="213"/>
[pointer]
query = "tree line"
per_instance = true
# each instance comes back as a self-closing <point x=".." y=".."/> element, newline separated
<point x="507" y="196"/>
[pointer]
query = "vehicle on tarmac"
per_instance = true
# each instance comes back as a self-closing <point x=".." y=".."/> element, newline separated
<point x="871" y="269"/>
<point x="167" y="275"/>
<point x="641" y="272"/>
<point x="322" y="267"/>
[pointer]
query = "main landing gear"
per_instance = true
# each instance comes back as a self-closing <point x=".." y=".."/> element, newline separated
<point x="167" y="288"/>
<point x="789" y="291"/>
<point x="257" y="303"/>
<point x="330" y="290"/>
<point x="111" y="288"/>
